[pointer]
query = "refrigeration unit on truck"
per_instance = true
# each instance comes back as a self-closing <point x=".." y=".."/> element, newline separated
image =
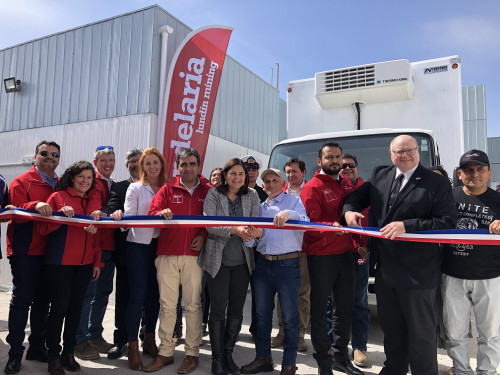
<point x="364" y="107"/>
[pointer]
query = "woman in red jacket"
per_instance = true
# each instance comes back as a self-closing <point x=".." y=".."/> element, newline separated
<point x="72" y="259"/>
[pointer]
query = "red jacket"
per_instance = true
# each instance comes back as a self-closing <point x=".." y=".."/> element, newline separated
<point x="26" y="191"/>
<point x="177" y="240"/>
<point x="323" y="198"/>
<point x="67" y="244"/>
<point x="107" y="235"/>
<point x="357" y="240"/>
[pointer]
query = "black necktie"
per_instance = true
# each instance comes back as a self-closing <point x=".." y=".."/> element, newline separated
<point x="395" y="189"/>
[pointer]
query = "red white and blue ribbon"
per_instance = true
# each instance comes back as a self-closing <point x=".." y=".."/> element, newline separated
<point x="455" y="236"/>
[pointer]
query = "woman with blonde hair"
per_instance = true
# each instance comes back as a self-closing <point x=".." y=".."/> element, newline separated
<point x="141" y="255"/>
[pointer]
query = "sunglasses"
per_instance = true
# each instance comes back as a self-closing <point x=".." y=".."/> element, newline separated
<point x="53" y="154"/>
<point x="99" y="148"/>
<point x="350" y="165"/>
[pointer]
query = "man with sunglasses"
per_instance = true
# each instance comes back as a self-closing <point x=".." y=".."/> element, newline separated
<point x="405" y="197"/>
<point x="361" y="311"/>
<point x="25" y="250"/>
<point x="89" y="339"/>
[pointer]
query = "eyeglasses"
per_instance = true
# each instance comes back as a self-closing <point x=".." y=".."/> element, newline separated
<point x="350" y="165"/>
<point x="45" y="153"/>
<point x="99" y="148"/>
<point x="409" y="152"/>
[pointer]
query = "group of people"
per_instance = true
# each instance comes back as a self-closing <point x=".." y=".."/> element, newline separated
<point x="63" y="274"/>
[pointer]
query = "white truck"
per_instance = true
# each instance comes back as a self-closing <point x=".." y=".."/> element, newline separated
<point x="364" y="107"/>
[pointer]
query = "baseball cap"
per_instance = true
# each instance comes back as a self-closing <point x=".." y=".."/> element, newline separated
<point x="251" y="161"/>
<point x="273" y="171"/>
<point x="474" y="156"/>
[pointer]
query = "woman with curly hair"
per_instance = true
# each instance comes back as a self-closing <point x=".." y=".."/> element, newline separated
<point x="227" y="262"/>
<point x="72" y="259"/>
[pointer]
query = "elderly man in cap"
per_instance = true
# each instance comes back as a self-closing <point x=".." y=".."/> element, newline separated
<point x="471" y="273"/>
<point x="277" y="270"/>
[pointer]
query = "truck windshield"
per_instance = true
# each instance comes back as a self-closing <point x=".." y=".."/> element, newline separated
<point x="370" y="151"/>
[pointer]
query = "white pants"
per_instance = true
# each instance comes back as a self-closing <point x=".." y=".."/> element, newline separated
<point x="459" y="298"/>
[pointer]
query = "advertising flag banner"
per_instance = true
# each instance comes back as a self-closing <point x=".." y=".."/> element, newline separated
<point x="192" y="85"/>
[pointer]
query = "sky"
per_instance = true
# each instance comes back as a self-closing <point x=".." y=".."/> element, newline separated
<point x="306" y="37"/>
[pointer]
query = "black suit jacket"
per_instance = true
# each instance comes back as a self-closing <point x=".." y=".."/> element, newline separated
<point x="115" y="202"/>
<point x="425" y="203"/>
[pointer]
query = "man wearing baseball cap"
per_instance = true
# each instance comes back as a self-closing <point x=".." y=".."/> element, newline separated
<point x="277" y="270"/>
<point x="471" y="273"/>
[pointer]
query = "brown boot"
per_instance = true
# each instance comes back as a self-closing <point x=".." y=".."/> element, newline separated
<point x="158" y="363"/>
<point x="149" y="345"/>
<point x="134" y="358"/>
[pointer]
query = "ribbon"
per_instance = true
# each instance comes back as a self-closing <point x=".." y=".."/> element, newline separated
<point x="452" y="236"/>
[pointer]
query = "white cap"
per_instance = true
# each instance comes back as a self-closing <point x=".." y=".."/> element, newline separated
<point x="251" y="161"/>
<point x="275" y="171"/>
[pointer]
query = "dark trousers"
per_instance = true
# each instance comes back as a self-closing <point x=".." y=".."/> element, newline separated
<point x="205" y="300"/>
<point x="67" y="286"/>
<point x="143" y="288"/>
<point x="120" y="336"/>
<point x="28" y="290"/>
<point x="331" y="275"/>
<point x="228" y="289"/>
<point x="408" y="320"/>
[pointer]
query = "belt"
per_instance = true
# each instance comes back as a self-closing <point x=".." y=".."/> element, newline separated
<point x="295" y="254"/>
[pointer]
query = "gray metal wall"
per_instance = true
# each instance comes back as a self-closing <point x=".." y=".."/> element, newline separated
<point x="474" y="113"/>
<point x="111" y="68"/>
<point x="494" y="156"/>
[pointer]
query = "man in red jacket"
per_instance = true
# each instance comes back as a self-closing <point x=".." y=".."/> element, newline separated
<point x="25" y="250"/>
<point x="329" y="261"/>
<point x="177" y="260"/>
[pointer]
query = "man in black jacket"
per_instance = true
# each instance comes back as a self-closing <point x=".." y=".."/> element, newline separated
<point x="406" y="197"/>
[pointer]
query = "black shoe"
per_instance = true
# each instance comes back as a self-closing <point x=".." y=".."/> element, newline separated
<point x="325" y="371"/>
<point x="259" y="364"/>
<point x="69" y="363"/>
<point x="55" y="367"/>
<point x="13" y="365"/>
<point x="37" y="354"/>
<point x="346" y="367"/>
<point x="117" y="351"/>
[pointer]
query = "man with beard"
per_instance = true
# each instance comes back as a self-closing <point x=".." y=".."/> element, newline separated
<point x="330" y="262"/>
<point x="116" y="202"/>
<point x="25" y="250"/>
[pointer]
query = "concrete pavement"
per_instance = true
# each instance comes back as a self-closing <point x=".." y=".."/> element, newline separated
<point x="244" y="351"/>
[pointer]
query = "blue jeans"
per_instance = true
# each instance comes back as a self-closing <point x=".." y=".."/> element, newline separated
<point x="361" y="311"/>
<point x="28" y="292"/>
<point x="95" y="302"/>
<point x="269" y="278"/>
<point x="143" y="288"/>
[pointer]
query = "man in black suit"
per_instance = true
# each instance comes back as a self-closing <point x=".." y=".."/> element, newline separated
<point x="408" y="273"/>
<point x="116" y="202"/>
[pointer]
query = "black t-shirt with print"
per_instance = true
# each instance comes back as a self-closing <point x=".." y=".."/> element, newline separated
<point x="474" y="262"/>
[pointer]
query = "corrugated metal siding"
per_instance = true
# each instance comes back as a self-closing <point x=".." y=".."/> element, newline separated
<point x="97" y="71"/>
<point x="474" y="114"/>
<point x="111" y="68"/>
<point x="494" y="156"/>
